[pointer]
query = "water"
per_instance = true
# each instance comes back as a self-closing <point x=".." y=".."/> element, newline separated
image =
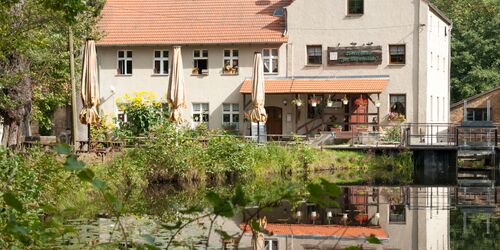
<point x="406" y="217"/>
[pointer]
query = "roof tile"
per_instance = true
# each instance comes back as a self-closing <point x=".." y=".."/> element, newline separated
<point x="150" y="22"/>
<point x="350" y="85"/>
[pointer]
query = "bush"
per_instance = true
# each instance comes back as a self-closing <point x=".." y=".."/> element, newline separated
<point x="143" y="113"/>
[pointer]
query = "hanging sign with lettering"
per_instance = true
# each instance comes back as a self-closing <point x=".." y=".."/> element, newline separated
<point x="363" y="55"/>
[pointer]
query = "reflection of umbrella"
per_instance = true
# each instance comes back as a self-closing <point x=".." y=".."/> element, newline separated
<point x="176" y="95"/>
<point x="258" y="112"/>
<point x="90" y="95"/>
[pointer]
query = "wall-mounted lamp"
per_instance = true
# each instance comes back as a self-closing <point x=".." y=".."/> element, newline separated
<point x="377" y="104"/>
<point x="285" y="102"/>
<point x="113" y="89"/>
<point x="299" y="214"/>
<point x="345" y="101"/>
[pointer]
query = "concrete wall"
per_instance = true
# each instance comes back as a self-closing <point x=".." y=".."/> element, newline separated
<point x="324" y="22"/>
<point x="214" y="88"/>
<point x="438" y="60"/>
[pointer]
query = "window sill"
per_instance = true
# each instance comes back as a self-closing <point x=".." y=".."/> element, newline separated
<point x="271" y="73"/>
<point x="354" y="15"/>
<point x="396" y="64"/>
<point x="159" y="75"/>
<point x="204" y="74"/>
<point x="314" y="65"/>
<point x="123" y="75"/>
<point x="229" y="74"/>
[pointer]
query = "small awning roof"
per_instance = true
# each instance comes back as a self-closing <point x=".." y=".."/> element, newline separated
<point x="338" y="85"/>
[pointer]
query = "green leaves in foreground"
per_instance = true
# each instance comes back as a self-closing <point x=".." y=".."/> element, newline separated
<point x="226" y="207"/>
<point x="324" y="193"/>
<point x="13" y="202"/>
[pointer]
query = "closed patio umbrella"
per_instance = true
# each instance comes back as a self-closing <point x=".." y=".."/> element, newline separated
<point x="258" y="112"/>
<point x="90" y="91"/>
<point x="176" y="95"/>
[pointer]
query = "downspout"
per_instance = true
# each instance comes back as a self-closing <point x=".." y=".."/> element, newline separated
<point x="449" y="71"/>
<point x="418" y="61"/>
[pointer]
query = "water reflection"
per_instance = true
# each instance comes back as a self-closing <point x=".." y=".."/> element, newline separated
<point x="406" y="217"/>
<point x="402" y="217"/>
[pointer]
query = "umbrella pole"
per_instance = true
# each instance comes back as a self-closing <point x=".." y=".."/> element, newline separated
<point x="88" y="125"/>
<point x="258" y="132"/>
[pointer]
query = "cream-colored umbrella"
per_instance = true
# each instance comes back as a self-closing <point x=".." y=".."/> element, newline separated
<point x="90" y="89"/>
<point x="176" y="95"/>
<point x="258" y="112"/>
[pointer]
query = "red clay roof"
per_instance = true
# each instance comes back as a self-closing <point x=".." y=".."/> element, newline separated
<point x="324" y="230"/>
<point x="150" y="22"/>
<point x="351" y="85"/>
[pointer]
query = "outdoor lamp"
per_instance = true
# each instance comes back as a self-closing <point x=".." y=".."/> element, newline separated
<point x="377" y="215"/>
<point x="313" y="214"/>
<point x="329" y="214"/>
<point x="344" y="217"/>
<point x="377" y="104"/>
<point x="285" y="102"/>
<point x="113" y="89"/>
<point x="299" y="214"/>
<point x="345" y="100"/>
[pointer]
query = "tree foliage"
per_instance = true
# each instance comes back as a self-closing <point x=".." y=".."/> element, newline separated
<point x="34" y="68"/>
<point x="475" y="47"/>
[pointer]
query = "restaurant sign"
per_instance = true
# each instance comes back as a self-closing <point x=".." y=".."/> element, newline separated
<point x="364" y="55"/>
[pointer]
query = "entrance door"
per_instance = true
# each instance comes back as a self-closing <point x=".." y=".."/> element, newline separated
<point x="274" y="121"/>
<point x="360" y="108"/>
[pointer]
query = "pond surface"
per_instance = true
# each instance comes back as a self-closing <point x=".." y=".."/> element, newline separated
<point x="405" y="217"/>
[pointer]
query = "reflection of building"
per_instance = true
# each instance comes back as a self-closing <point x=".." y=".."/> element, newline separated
<point x="402" y="217"/>
<point x="350" y="62"/>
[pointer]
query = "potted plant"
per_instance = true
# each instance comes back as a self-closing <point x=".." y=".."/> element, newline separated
<point x="395" y="117"/>
<point x="361" y="128"/>
<point x="195" y="71"/>
<point x="297" y="102"/>
<point x="336" y="128"/>
<point x="361" y="101"/>
<point x="314" y="101"/>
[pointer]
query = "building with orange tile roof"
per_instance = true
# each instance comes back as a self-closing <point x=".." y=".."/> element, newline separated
<point x="350" y="62"/>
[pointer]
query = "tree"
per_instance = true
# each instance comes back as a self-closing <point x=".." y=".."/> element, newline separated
<point x="475" y="61"/>
<point x="34" y="59"/>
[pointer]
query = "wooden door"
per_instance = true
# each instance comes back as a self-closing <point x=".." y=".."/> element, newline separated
<point x="274" y="121"/>
<point x="359" y="110"/>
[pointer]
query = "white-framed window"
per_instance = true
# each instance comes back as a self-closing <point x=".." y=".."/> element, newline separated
<point x="271" y="244"/>
<point x="121" y="116"/>
<point x="432" y="109"/>
<point x="231" y="116"/>
<point x="397" y="54"/>
<point x="124" y="62"/>
<point x="432" y="60"/>
<point x="438" y="62"/>
<point x="200" y="61"/>
<point x="438" y="108"/>
<point x="200" y="113"/>
<point x="314" y="54"/>
<point x="160" y="62"/>
<point x="231" y="61"/>
<point x="270" y="58"/>
<point x="355" y="7"/>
